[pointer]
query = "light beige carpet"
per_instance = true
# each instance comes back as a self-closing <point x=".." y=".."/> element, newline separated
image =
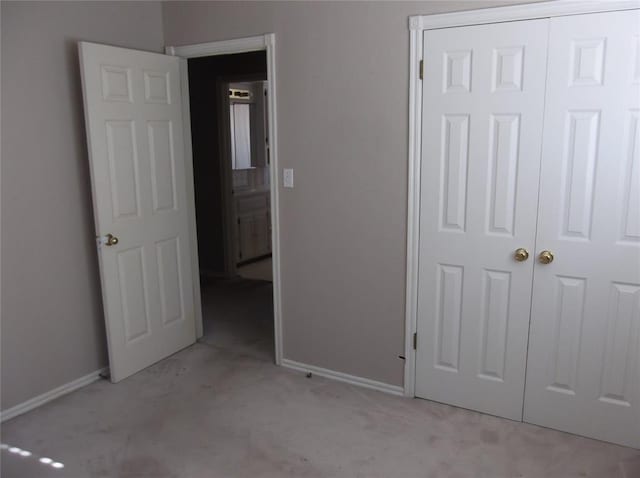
<point x="221" y="409"/>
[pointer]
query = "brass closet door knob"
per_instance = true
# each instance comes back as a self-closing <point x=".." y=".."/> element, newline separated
<point x="111" y="240"/>
<point x="546" y="257"/>
<point x="521" y="254"/>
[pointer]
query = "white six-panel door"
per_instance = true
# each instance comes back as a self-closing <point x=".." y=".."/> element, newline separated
<point x="135" y="141"/>
<point x="483" y="97"/>
<point x="583" y="372"/>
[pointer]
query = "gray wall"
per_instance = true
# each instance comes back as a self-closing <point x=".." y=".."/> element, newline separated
<point x="342" y="71"/>
<point x="343" y="79"/>
<point x="52" y="321"/>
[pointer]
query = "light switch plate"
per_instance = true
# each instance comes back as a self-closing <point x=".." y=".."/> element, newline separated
<point x="287" y="178"/>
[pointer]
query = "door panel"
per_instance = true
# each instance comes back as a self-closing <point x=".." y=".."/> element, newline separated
<point x="170" y="277"/>
<point x="496" y="287"/>
<point x="160" y="135"/>
<point x="123" y="166"/>
<point x="630" y="230"/>
<point x="503" y="166"/>
<point x="583" y="372"/>
<point x="483" y="94"/>
<point x="133" y="293"/>
<point x="453" y="193"/>
<point x="136" y="151"/>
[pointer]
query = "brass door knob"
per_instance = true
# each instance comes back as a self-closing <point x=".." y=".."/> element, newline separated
<point x="545" y="257"/>
<point x="521" y="254"/>
<point x="111" y="240"/>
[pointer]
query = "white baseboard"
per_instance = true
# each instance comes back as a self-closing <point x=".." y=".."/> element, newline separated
<point x="50" y="395"/>
<point x="344" y="377"/>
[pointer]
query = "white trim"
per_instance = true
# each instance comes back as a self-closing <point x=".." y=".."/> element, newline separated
<point x="417" y="25"/>
<point x="46" y="397"/>
<point x="529" y="11"/>
<point x="223" y="47"/>
<point x="344" y="377"/>
<point x="413" y="210"/>
<point x="270" y="42"/>
<point x="241" y="45"/>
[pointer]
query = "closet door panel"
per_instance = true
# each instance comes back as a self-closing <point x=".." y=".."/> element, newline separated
<point x="583" y="371"/>
<point x="483" y="95"/>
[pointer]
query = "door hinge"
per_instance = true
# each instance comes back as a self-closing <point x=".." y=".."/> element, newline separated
<point x="415" y="341"/>
<point x="421" y="69"/>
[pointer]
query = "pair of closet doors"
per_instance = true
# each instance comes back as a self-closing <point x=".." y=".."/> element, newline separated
<point x="529" y="250"/>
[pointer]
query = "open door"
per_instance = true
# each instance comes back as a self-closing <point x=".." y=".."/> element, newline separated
<point x="135" y="140"/>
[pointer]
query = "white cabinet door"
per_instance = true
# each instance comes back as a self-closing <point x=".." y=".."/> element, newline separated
<point x="254" y="239"/>
<point x="246" y="238"/>
<point x="262" y="236"/>
<point x="483" y="94"/>
<point x="136" y="151"/>
<point x="583" y="372"/>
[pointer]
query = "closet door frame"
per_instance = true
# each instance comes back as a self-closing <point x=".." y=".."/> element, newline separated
<point x="418" y="24"/>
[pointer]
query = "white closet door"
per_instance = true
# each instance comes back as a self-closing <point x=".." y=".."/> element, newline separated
<point x="583" y="372"/>
<point x="136" y="151"/>
<point x="483" y="95"/>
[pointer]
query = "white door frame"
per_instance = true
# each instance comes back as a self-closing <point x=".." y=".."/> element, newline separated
<point x="266" y="42"/>
<point x="417" y="25"/>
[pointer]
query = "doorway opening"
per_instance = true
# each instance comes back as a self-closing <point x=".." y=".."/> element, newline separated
<point x="229" y="116"/>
